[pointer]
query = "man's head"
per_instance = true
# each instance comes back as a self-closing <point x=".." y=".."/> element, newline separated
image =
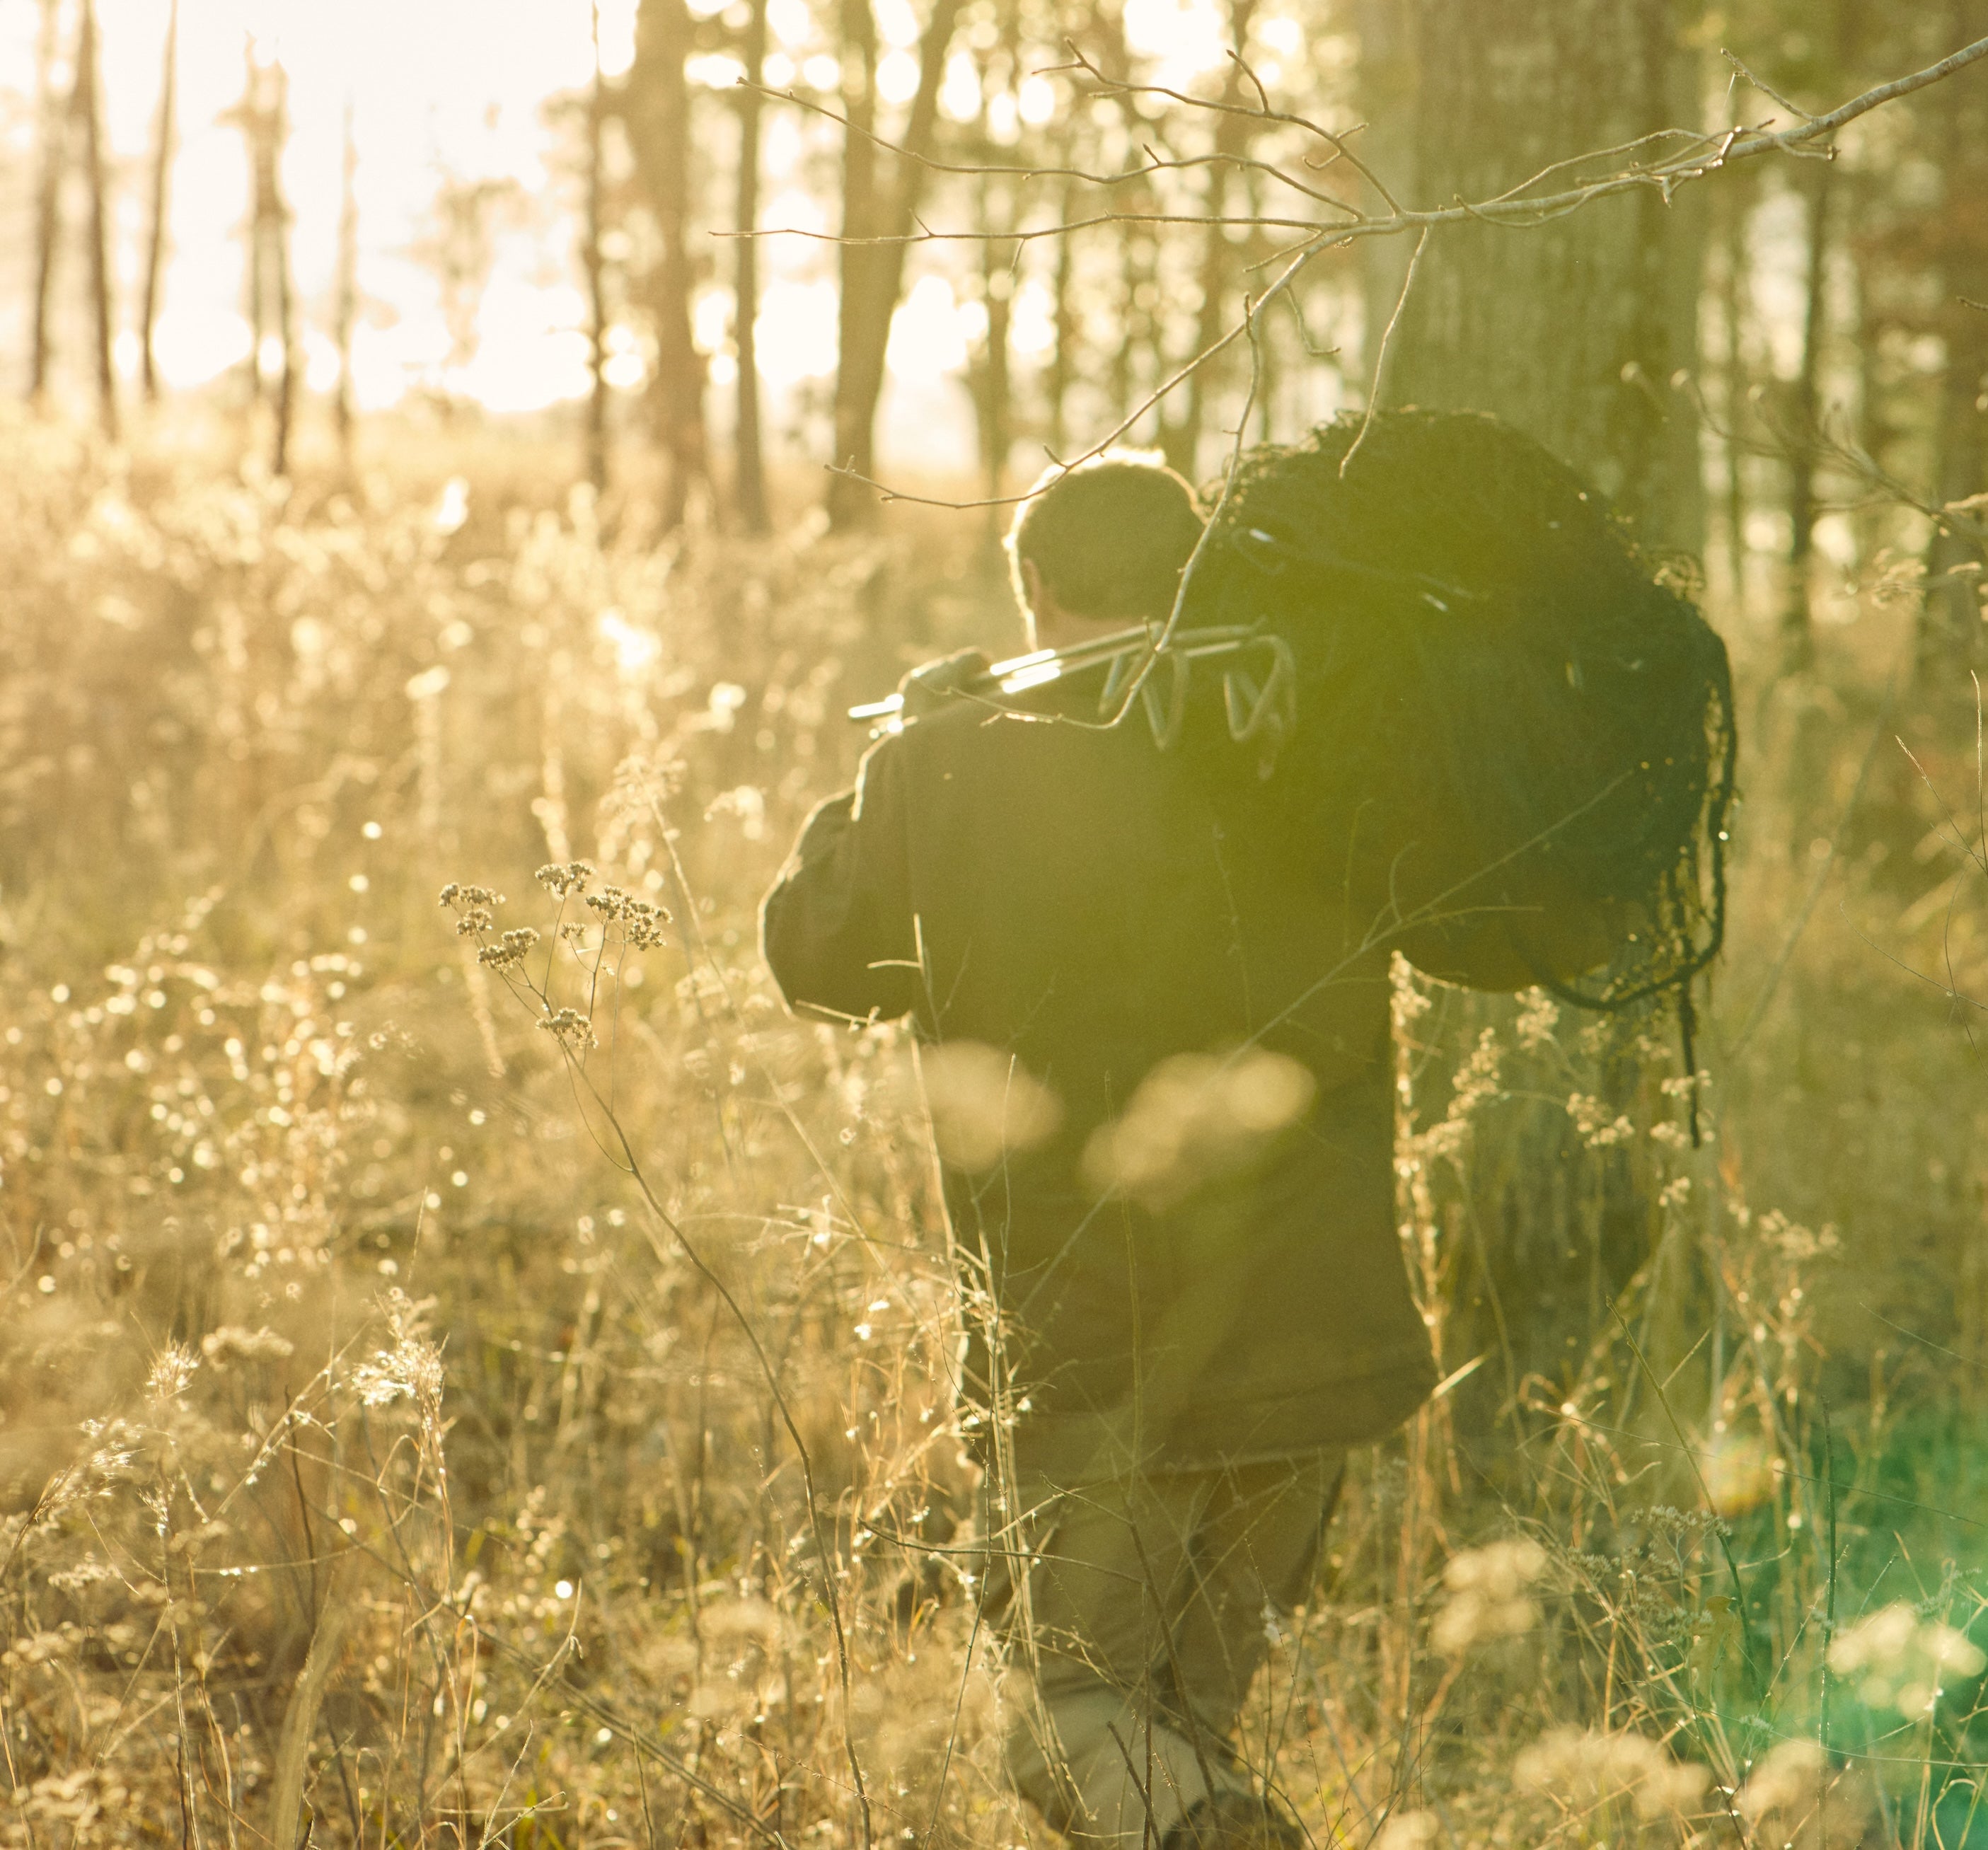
<point x="1101" y="546"/>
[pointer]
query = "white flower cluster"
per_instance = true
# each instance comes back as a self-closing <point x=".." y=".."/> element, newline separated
<point x="1578" y="1767"/>
<point x="1488" y="1594"/>
<point x="1900" y="1661"/>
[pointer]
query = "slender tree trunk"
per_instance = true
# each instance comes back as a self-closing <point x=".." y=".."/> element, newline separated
<point x="1950" y="620"/>
<point x="1574" y="330"/>
<point x="162" y="161"/>
<point x="1180" y="437"/>
<point x="865" y="321"/>
<point x="1796" y="635"/>
<point x="345" y="314"/>
<point x="1063" y="314"/>
<point x="990" y="370"/>
<point x="750" y="485"/>
<point x="55" y="123"/>
<point x="657" y="110"/>
<point x="89" y="90"/>
<point x="856" y="260"/>
<point x="255" y="130"/>
<point x="1268" y="355"/>
<point x="999" y="285"/>
<point x="1734" y="203"/>
<point x="1137" y="288"/>
<point x="597" y="279"/>
<point x="276" y="124"/>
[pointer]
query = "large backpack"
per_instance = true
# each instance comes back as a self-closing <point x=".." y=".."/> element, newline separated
<point x="1521" y="718"/>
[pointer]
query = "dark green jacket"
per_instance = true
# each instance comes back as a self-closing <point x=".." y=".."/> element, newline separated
<point x="1068" y="896"/>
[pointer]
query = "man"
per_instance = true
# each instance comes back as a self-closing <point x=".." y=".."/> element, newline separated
<point x="1148" y="967"/>
<point x="1158" y="1066"/>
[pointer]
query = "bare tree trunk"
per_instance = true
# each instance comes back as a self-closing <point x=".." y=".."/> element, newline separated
<point x="1063" y="314"/>
<point x="277" y="123"/>
<point x="1181" y="438"/>
<point x="750" y="485"/>
<point x="254" y="131"/>
<point x="88" y="90"/>
<point x="1950" y="618"/>
<point x="862" y="217"/>
<point x="872" y="282"/>
<point x="1734" y="203"/>
<point x="596" y="280"/>
<point x="1798" y="637"/>
<point x="345" y="314"/>
<point x="162" y="161"/>
<point x="656" y="109"/>
<point x="989" y="370"/>
<point x="1139" y="289"/>
<point x="55" y="121"/>
<point x="998" y="422"/>
<point x="265" y="119"/>
<point x="1572" y="331"/>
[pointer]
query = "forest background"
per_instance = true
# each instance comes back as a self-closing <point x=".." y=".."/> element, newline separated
<point x="416" y="1427"/>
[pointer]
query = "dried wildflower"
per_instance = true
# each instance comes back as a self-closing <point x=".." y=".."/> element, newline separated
<point x="404" y="1372"/>
<point x="563" y="878"/>
<point x="1591" y="1119"/>
<point x="83" y="1575"/>
<point x="642" y="924"/>
<point x="1792" y="1798"/>
<point x="510" y="950"/>
<point x="1538" y="1017"/>
<point x="749" y="804"/>
<point x="171" y="1372"/>
<point x="78" y="1802"/>
<point x="1407" y="998"/>
<point x="1488" y="1594"/>
<point x="230" y="1343"/>
<point x="41" y="1648"/>
<point x="1409" y="1831"/>
<point x="1900" y="1661"/>
<point x="1794" y="1242"/>
<point x="1680" y="1526"/>
<point x="1576" y="1767"/>
<point x="571" y="1029"/>
<point x="1474" y="1082"/>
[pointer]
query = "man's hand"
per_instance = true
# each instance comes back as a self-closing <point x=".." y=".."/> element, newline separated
<point x="933" y="685"/>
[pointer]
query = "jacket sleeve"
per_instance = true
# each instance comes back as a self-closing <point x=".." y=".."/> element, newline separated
<point x="836" y="929"/>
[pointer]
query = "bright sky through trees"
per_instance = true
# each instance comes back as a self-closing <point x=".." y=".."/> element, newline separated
<point x="455" y="91"/>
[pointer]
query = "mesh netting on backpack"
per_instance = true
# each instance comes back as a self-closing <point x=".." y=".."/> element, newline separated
<point x="1476" y="640"/>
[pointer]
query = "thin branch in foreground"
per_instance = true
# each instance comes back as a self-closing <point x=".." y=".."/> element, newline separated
<point x="1381" y="358"/>
<point x="1704" y="155"/>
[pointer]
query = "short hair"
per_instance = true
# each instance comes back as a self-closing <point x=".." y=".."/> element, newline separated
<point x="1109" y="537"/>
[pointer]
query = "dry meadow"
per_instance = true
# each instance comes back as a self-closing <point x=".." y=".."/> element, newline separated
<point x="429" y="1418"/>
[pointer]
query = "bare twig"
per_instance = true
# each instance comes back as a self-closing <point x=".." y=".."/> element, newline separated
<point x="1381" y="358"/>
<point x="1024" y="171"/>
<point x="1517" y="209"/>
<point x="1706" y="154"/>
<point x="1765" y="88"/>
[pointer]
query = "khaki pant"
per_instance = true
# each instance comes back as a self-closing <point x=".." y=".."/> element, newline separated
<point x="1134" y="1613"/>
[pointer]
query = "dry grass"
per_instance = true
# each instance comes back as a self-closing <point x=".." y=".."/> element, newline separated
<point x="379" y="1452"/>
